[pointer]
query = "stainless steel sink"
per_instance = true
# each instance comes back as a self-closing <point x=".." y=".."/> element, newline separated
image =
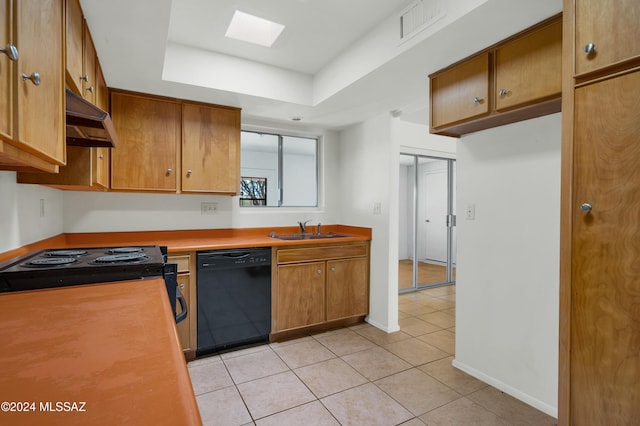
<point x="308" y="236"/>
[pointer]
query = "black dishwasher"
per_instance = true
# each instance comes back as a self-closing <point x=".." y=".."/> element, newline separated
<point x="234" y="298"/>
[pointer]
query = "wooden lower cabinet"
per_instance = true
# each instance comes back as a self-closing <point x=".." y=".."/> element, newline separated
<point x="187" y="328"/>
<point x="183" y="328"/>
<point x="301" y="293"/>
<point x="347" y="288"/>
<point x="318" y="286"/>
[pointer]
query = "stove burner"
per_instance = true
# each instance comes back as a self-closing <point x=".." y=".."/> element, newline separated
<point x="51" y="261"/>
<point x="126" y="250"/>
<point x="66" y="253"/>
<point x="121" y="258"/>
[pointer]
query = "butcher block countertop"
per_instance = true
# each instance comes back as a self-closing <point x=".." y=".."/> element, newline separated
<point x="100" y="354"/>
<point x="192" y="240"/>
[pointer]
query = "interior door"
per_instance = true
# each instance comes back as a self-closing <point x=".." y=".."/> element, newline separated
<point x="605" y="291"/>
<point x="435" y="219"/>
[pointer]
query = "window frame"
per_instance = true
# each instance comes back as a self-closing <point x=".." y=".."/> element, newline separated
<point x="281" y="135"/>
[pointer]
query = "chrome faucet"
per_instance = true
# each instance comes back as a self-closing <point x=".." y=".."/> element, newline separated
<point x="303" y="226"/>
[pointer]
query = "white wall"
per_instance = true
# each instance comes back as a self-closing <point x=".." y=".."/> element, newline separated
<point x="20" y="220"/>
<point x="508" y="259"/>
<point x="371" y="174"/>
<point x="113" y="211"/>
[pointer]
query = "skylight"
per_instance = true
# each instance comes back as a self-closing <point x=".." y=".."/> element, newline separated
<point x="253" y="29"/>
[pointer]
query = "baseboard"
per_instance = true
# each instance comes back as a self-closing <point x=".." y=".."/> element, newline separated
<point x="526" y="398"/>
<point x="382" y="327"/>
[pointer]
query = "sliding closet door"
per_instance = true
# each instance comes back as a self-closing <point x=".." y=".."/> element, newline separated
<point x="427" y="222"/>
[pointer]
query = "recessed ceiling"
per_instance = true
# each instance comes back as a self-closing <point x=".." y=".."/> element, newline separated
<point x="336" y="63"/>
<point x="315" y="32"/>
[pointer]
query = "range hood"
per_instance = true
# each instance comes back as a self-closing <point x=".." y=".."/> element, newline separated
<point x="88" y="125"/>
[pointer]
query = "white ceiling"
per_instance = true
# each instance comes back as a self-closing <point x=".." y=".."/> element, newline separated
<point x="336" y="63"/>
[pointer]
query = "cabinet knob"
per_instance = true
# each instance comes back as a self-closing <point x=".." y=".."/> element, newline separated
<point x="169" y="171"/>
<point x="100" y="157"/>
<point x="333" y="269"/>
<point x="85" y="77"/>
<point x="319" y="271"/>
<point x="91" y="89"/>
<point x="11" y="51"/>
<point x="477" y="100"/>
<point x="34" y="77"/>
<point x="181" y="285"/>
<point x="589" y="48"/>
<point x="586" y="207"/>
<point x="503" y="92"/>
<point x="189" y="172"/>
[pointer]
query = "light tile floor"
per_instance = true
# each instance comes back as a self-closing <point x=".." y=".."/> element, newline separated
<point x="358" y="375"/>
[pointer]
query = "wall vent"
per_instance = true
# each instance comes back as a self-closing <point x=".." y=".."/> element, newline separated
<point x="419" y="15"/>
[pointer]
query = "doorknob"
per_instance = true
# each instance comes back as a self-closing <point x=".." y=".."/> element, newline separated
<point x="586" y="207"/>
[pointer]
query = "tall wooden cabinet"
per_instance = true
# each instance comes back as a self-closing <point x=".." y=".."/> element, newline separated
<point x="606" y="33"/>
<point x="599" y="372"/>
<point x="32" y="126"/>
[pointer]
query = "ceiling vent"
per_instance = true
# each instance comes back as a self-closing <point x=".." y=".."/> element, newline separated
<point x="419" y="15"/>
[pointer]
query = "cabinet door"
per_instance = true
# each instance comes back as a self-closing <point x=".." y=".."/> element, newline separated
<point x="149" y="133"/>
<point x="605" y="319"/>
<point x="102" y="155"/>
<point x="300" y="295"/>
<point x="89" y="60"/>
<point x="612" y="27"/>
<point x="347" y="288"/>
<point x="6" y="72"/>
<point x="460" y="92"/>
<point x="529" y="68"/>
<point x="74" y="45"/>
<point x="210" y="149"/>
<point x="183" y="328"/>
<point x="41" y="115"/>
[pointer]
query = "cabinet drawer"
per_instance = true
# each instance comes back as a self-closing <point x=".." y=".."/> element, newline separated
<point x="183" y="262"/>
<point x="321" y="253"/>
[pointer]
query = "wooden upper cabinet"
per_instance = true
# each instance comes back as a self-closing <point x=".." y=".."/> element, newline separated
<point x="6" y="73"/>
<point x="149" y="136"/>
<point x="529" y="69"/>
<point x="32" y="116"/>
<point x="90" y="61"/>
<point x="609" y="29"/>
<point x="460" y="92"/>
<point x="75" y="33"/>
<point x="40" y="111"/>
<point x="101" y="155"/>
<point x="210" y="149"/>
<point x="516" y="79"/>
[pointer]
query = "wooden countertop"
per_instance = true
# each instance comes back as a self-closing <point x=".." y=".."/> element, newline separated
<point x="191" y="240"/>
<point x="112" y="349"/>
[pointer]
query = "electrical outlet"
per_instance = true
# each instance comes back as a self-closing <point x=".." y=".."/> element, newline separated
<point x="41" y="207"/>
<point x="470" y="213"/>
<point x="377" y="208"/>
<point x="208" y="208"/>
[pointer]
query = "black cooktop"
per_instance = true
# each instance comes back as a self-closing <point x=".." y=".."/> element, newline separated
<point x="64" y="267"/>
